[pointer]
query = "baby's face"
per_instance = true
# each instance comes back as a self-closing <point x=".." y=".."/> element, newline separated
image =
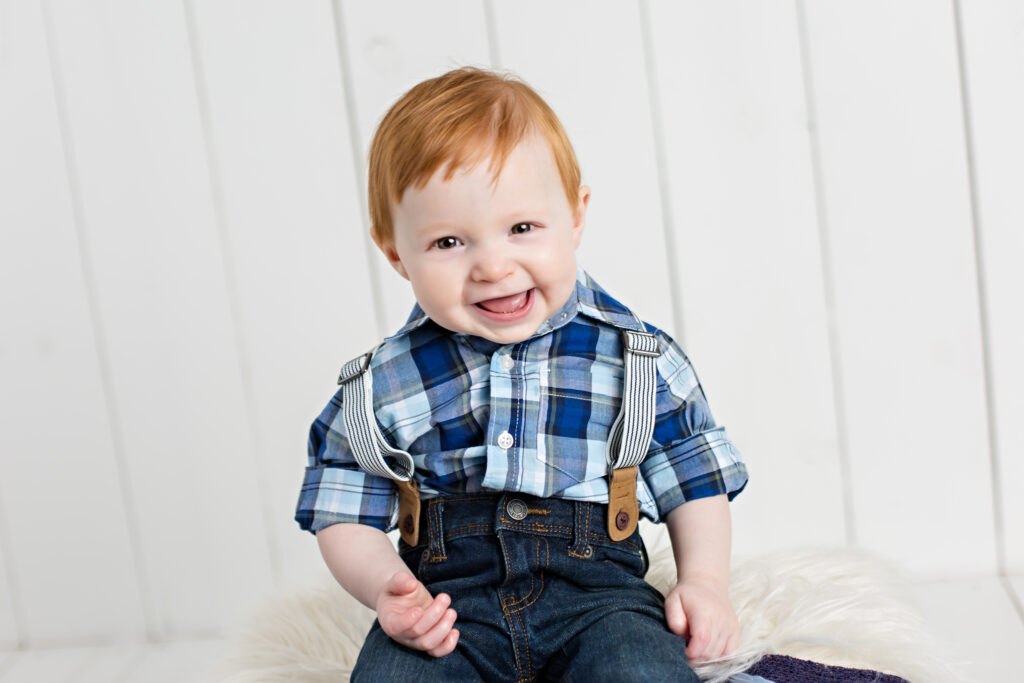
<point x="491" y="259"/>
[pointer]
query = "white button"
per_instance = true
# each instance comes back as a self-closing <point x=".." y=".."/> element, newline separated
<point x="505" y="440"/>
<point x="506" y="362"/>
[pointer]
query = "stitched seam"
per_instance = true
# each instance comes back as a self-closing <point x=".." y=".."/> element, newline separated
<point x="515" y="602"/>
<point x="534" y="526"/>
<point x="469" y="529"/>
<point x="593" y="398"/>
<point x="440" y="532"/>
<point x="450" y="500"/>
<point x="511" y="632"/>
<point x="437" y="540"/>
<point x="504" y="557"/>
<point x="503" y="600"/>
<point x="586" y="523"/>
<point x="585" y="536"/>
<point x="526" y="644"/>
<point x="536" y="597"/>
<point x="603" y="540"/>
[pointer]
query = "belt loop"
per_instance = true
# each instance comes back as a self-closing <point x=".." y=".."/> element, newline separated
<point x="435" y="533"/>
<point x="581" y="529"/>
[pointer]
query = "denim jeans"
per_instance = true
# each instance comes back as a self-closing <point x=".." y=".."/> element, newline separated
<point x="541" y="592"/>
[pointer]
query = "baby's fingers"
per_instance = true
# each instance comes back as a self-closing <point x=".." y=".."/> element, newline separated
<point x="432" y="615"/>
<point x="447" y="646"/>
<point x="698" y="644"/>
<point x="733" y="643"/>
<point x="432" y="641"/>
<point x="675" y="616"/>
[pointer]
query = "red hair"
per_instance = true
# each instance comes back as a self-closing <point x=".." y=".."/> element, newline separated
<point x="459" y="118"/>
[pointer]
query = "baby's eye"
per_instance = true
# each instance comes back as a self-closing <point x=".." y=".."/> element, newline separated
<point x="520" y="228"/>
<point x="447" y="242"/>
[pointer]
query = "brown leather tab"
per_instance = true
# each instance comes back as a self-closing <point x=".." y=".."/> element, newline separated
<point x="409" y="511"/>
<point x="623" y="510"/>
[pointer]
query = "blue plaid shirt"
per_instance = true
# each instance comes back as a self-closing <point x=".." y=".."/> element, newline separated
<point x="446" y="398"/>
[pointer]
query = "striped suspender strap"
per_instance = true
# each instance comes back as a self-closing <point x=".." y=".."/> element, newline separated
<point x="371" y="449"/>
<point x="631" y="433"/>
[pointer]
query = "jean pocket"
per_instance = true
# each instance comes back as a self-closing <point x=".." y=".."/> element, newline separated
<point x="607" y="562"/>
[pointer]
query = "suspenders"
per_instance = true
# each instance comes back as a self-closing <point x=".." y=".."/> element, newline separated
<point x="631" y="433"/>
<point x="369" y="446"/>
<point x="627" y="443"/>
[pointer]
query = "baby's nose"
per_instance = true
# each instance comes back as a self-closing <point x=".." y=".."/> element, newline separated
<point x="491" y="264"/>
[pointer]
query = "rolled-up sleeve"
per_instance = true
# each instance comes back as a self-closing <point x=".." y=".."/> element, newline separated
<point x="334" y="489"/>
<point x="690" y="456"/>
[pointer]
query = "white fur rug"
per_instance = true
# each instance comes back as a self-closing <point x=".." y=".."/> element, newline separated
<point x="838" y="607"/>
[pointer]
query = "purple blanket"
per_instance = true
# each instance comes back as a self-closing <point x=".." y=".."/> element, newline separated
<point x="783" y="669"/>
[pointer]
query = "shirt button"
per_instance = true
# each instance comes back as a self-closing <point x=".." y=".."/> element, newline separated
<point x="505" y="440"/>
<point x="506" y="362"/>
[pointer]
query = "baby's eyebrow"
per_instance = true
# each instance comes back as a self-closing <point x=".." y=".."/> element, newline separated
<point x="437" y="228"/>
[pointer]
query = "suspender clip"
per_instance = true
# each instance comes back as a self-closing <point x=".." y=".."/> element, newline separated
<point x="641" y="343"/>
<point x="355" y="368"/>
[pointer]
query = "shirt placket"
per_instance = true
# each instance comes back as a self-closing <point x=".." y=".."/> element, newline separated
<point x="504" y="469"/>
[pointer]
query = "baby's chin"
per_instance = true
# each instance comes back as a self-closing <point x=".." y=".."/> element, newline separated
<point x="506" y="338"/>
<point x="511" y="335"/>
<point x="504" y="335"/>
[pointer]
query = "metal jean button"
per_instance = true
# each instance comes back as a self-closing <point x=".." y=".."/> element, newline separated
<point x="516" y="509"/>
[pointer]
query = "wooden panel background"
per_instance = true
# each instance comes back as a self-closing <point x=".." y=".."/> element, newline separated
<point x="993" y="47"/>
<point x="897" y="212"/>
<point x="739" y="179"/>
<point x="821" y="202"/>
<point x="62" y="486"/>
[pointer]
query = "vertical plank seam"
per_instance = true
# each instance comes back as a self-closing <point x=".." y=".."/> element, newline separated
<point x="827" y="272"/>
<point x="983" y="316"/>
<point x="1015" y="598"/>
<point x="661" y="166"/>
<point x="493" y="46"/>
<point x="231" y="285"/>
<point x="128" y="499"/>
<point x="355" y="144"/>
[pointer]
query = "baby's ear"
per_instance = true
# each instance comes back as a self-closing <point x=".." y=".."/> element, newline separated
<point x="396" y="262"/>
<point x="391" y="254"/>
<point x="579" y="217"/>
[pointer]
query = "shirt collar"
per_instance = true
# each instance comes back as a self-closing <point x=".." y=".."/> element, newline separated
<point x="588" y="298"/>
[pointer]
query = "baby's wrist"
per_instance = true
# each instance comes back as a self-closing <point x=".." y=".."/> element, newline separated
<point x="708" y="580"/>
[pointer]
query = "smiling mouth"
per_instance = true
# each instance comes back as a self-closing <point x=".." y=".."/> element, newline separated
<point x="507" y="308"/>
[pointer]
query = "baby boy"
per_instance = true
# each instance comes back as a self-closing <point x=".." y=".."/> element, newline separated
<point x="516" y="426"/>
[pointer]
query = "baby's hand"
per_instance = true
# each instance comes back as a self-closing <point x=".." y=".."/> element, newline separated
<point x="704" y="616"/>
<point x="411" y="617"/>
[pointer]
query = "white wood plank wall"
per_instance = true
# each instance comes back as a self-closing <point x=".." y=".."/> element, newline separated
<point x="822" y="202"/>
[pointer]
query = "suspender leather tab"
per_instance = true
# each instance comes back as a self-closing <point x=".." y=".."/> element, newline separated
<point x="409" y="511"/>
<point x="623" y="510"/>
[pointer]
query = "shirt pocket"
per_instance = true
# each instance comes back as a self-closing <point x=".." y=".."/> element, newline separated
<point x="580" y="399"/>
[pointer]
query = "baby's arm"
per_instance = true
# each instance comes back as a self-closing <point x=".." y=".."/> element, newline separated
<point x="698" y="608"/>
<point x="365" y="563"/>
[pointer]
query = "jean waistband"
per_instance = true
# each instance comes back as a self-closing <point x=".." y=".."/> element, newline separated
<point x="582" y="523"/>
